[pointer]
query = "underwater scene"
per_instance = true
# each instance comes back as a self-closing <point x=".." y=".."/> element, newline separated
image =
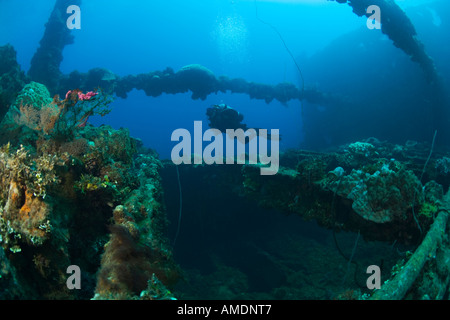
<point x="224" y="150"/>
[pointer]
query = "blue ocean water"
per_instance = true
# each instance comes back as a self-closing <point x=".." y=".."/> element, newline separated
<point x="225" y="36"/>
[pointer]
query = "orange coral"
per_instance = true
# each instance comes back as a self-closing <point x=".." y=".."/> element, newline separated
<point x="28" y="215"/>
<point x="39" y="119"/>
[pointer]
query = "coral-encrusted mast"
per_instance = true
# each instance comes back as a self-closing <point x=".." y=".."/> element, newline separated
<point x="45" y="62"/>
<point x="195" y="78"/>
<point x="397" y="288"/>
<point x="397" y="26"/>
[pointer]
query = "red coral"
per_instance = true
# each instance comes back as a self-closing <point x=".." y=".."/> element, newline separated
<point x="80" y="95"/>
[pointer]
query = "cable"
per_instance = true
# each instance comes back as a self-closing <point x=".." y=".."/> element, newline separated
<point x="292" y="57"/>
<point x="181" y="207"/>
<point x="285" y="46"/>
<point x="351" y="258"/>
<point x="421" y="176"/>
<point x="429" y="156"/>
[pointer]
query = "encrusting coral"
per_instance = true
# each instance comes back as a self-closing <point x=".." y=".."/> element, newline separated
<point x="59" y="188"/>
<point x="384" y="196"/>
<point x="25" y="184"/>
<point x="58" y="118"/>
<point x="359" y="188"/>
<point x="136" y="252"/>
